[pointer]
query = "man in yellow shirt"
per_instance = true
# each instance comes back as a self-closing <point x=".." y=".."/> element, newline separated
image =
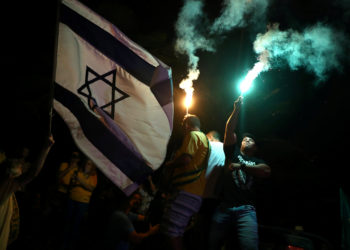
<point x="187" y="180"/>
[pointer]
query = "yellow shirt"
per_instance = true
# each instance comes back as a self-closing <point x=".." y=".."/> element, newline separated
<point x="63" y="183"/>
<point x="191" y="178"/>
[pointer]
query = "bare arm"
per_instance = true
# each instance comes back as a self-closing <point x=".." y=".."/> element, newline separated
<point x="153" y="187"/>
<point x="261" y="170"/>
<point x="64" y="172"/>
<point x="136" y="238"/>
<point x="231" y="124"/>
<point x="85" y="183"/>
<point x="141" y="217"/>
<point x="39" y="163"/>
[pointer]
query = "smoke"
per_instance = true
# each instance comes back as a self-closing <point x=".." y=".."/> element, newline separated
<point x="234" y="13"/>
<point x="190" y="37"/>
<point x="262" y="65"/>
<point x="318" y="49"/>
<point x="194" y="32"/>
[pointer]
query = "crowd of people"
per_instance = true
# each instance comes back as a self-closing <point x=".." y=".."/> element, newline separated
<point x="201" y="198"/>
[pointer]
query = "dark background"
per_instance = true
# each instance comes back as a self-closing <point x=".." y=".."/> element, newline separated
<point x="302" y="126"/>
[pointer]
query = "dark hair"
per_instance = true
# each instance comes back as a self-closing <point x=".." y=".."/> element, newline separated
<point x="191" y="120"/>
<point x="76" y="155"/>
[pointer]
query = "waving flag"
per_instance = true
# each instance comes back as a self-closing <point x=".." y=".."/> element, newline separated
<point x="115" y="97"/>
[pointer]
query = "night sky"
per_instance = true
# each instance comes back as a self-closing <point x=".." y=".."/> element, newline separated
<point x="302" y="124"/>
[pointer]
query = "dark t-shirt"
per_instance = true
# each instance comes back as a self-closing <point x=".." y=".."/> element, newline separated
<point x="238" y="187"/>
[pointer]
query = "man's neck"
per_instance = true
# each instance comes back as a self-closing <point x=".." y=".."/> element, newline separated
<point x="194" y="129"/>
<point x="247" y="153"/>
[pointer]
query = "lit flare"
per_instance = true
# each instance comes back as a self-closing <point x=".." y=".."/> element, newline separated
<point x="187" y="86"/>
<point x="261" y="65"/>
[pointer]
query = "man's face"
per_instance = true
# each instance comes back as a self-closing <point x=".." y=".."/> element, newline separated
<point x="75" y="158"/>
<point x="135" y="201"/>
<point x="25" y="152"/>
<point x="248" y="143"/>
<point x="185" y="127"/>
<point x="89" y="165"/>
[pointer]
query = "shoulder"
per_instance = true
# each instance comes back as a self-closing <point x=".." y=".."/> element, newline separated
<point x="198" y="135"/>
<point x="216" y="144"/>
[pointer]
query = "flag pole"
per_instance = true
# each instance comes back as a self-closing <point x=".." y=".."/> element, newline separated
<point x="52" y="92"/>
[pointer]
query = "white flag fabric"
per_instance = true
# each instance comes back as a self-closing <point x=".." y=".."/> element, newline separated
<point x="115" y="97"/>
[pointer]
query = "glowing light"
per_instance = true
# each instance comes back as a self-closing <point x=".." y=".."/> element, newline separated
<point x="247" y="82"/>
<point x="261" y="65"/>
<point x="188" y="99"/>
<point x="187" y="86"/>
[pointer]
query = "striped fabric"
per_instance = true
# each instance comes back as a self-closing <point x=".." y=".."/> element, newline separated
<point x="178" y="212"/>
<point x="115" y="97"/>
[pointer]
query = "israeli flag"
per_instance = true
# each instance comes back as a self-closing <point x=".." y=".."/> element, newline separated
<point x="115" y="97"/>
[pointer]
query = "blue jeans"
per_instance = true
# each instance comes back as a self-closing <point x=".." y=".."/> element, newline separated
<point x="226" y="220"/>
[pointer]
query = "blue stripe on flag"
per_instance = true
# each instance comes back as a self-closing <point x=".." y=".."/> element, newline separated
<point x="107" y="44"/>
<point x="102" y="138"/>
<point x="163" y="92"/>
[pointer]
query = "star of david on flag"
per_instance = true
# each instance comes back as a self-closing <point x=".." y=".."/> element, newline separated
<point x="115" y="97"/>
<point x="95" y="82"/>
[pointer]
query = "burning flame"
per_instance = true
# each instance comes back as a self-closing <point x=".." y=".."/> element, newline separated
<point x="187" y="85"/>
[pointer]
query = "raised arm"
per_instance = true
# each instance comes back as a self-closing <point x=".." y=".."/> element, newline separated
<point x="136" y="238"/>
<point x="231" y="124"/>
<point x="35" y="168"/>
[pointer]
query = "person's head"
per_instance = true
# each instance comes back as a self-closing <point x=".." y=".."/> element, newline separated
<point x="14" y="167"/>
<point x="88" y="166"/>
<point x="75" y="158"/>
<point x="213" y="136"/>
<point x="135" y="200"/>
<point x="128" y="203"/>
<point x="248" y="144"/>
<point x="25" y="152"/>
<point x="191" y="123"/>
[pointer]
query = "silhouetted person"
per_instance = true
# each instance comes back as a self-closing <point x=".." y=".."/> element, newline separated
<point x="12" y="178"/>
<point x="82" y="181"/>
<point x="210" y="201"/>
<point x="187" y="180"/>
<point x="236" y="210"/>
<point x="119" y="232"/>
